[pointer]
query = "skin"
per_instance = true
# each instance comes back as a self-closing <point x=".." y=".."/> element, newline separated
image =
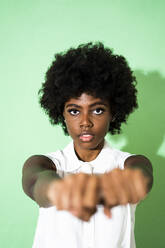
<point x="91" y="115"/>
<point x="80" y="193"/>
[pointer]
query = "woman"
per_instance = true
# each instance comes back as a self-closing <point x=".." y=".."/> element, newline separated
<point x="88" y="191"/>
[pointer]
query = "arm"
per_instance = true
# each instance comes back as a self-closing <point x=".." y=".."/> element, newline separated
<point x="37" y="175"/>
<point x="41" y="183"/>
<point x="130" y="185"/>
<point x="144" y="165"/>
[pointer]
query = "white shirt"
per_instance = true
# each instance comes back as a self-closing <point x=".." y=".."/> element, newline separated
<point x="60" y="229"/>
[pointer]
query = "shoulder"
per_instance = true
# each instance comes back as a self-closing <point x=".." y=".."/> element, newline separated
<point x="57" y="158"/>
<point x="65" y="159"/>
<point x="118" y="155"/>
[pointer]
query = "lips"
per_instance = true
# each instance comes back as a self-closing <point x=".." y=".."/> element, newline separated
<point x="86" y="137"/>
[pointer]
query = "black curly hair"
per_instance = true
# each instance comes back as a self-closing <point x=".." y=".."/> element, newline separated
<point x="93" y="69"/>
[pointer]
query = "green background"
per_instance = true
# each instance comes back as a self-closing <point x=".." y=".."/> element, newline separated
<point x="30" y="33"/>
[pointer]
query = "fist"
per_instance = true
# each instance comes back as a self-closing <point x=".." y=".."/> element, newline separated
<point x="80" y="193"/>
<point x="77" y="193"/>
<point x="120" y="187"/>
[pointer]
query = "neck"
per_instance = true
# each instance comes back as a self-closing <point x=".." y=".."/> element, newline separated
<point x="87" y="155"/>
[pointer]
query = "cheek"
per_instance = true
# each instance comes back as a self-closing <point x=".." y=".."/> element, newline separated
<point x="71" y="127"/>
<point x="106" y="127"/>
<point x="103" y="127"/>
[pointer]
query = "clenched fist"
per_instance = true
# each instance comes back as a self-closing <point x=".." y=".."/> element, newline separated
<point x="120" y="187"/>
<point x="80" y="193"/>
<point x="77" y="193"/>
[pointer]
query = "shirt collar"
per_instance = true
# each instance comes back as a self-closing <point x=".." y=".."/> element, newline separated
<point x="100" y="162"/>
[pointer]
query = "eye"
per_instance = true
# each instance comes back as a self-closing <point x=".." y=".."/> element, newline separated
<point x="73" y="111"/>
<point x="98" y="111"/>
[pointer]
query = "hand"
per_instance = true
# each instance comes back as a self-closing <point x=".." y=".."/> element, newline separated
<point x="77" y="193"/>
<point x="120" y="187"/>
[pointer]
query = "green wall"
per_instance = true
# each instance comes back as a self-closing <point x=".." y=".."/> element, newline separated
<point x="30" y="33"/>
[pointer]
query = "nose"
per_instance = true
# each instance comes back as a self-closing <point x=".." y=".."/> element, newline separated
<point x="85" y="121"/>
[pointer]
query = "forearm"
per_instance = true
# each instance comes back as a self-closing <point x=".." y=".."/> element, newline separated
<point x="37" y="175"/>
<point x="142" y="163"/>
<point x="40" y="190"/>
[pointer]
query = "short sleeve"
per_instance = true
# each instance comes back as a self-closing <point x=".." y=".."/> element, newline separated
<point x="121" y="159"/>
<point x="55" y="157"/>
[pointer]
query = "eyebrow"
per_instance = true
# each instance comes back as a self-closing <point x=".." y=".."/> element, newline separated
<point x="91" y="105"/>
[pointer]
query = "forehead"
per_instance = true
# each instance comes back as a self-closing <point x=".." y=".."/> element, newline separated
<point x="86" y="99"/>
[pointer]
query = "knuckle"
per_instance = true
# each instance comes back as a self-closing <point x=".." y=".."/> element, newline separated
<point x="134" y="200"/>
<point x="69" y="179"/>
<point x="93" y="182"/>
<point x="111" y="201"/>
<point x="87" y="203"/>
<point x="81" y="176"/>
<point x="123" y="201"/>
<point x="116" y="172"/>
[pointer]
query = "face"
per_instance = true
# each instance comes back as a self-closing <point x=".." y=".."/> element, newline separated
<point x="87" y="120"/>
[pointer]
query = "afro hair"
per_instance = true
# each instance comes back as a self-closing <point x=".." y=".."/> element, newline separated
<point x="93" y="69"/>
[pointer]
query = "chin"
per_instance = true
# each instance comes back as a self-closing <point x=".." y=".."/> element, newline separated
<point x="89" y="145"/>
